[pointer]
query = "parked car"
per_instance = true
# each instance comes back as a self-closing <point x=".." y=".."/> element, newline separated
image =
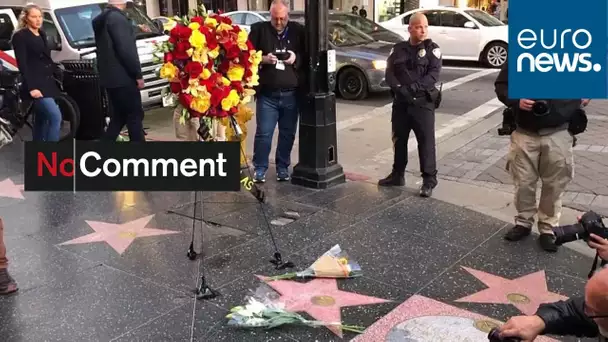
<point x="465" y="34"/>
<point x="247" y="18"/>
<point x="244" y="19"/>
<point x="363" y="24"/>
<point x="168" y="23"/>
<point x="360" y="61"/>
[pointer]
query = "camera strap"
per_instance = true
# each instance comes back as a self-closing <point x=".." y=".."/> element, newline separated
<point x="594" y="267"/>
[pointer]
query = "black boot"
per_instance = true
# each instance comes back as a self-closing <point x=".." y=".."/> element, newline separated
<point x="517" y="233"/>
<point x="426" y="190"/>
<point x="393" y="179"/>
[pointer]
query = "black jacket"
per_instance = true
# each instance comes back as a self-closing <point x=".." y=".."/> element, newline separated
<point x="264" y="37"/>
<point x="567" y="318"/>
<point x="117" y="58"/>
<point x="35" y="64"/>
<point x="560" y="114"/>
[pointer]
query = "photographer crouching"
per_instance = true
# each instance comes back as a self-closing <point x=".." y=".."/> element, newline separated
<point x="582" y="316"/>
<point x="542" y="137"/>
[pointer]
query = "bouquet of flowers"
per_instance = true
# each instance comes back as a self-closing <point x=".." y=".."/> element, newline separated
<point x="211" y="67"/>
<point x="335" y="263"/>
<point x="257" y="314"/>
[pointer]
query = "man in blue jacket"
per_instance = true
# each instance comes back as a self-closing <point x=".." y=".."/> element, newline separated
<point x="119" y="70"/>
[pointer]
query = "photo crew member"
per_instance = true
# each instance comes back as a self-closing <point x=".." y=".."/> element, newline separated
<point x="282" y="46"/>
<point x="580" y="316"/>
<point x="412" y="71"/>
<point x="541" y="147"/>
<point x="119" y="70"/>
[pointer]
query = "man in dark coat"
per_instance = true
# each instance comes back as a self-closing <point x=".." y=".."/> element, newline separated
<point x="119" y="70"/>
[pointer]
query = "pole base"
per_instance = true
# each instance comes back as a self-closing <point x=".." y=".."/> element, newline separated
<point x="318" y="178"/>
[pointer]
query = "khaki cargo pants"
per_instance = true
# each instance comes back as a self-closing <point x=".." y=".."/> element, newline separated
<point x="545" y="157"/>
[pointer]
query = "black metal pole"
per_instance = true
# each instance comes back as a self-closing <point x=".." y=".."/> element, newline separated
<point x="318" y="165"/>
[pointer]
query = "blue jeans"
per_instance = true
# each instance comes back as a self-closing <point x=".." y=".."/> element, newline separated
<point x="272" y="108"/>
<point x="47" y="120"/>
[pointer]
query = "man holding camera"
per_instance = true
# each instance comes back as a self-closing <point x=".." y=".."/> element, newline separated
<point x="541" y="148"/>
<point x="282" y="44"/>
<point x="581" y="316"/>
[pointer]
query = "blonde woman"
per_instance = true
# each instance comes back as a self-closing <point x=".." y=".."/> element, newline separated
<point x="36" y="66"/>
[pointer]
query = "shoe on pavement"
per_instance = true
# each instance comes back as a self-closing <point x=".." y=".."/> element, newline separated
<point x="259" y="176"/>
<point x="393" y="179"/>
<point x="547" y="242"/>
<point x="283" y="175"/>
<point x="426" y="190"/>
<point x="7" y="283"/>
<point x="517" y="233"/>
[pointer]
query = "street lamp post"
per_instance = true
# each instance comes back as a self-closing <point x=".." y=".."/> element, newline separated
<point x="318" y="165"/>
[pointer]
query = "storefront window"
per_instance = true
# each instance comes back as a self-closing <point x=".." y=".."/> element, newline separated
<point x="388" y="9"/>
<point x="257" y="5"/>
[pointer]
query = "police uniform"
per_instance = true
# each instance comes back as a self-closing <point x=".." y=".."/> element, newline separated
<point x="412" y="72"/>
<point x="541" y="149"/>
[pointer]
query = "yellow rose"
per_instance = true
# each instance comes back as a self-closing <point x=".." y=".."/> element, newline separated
<point x="255" y="57"/>
<point x="197" y="39"/>
<point x="231" y="100"/>
<point x="210" y="22"/>
<point x="224" y="27"/>
<point x="225" y="81"/>
<point x="199" y="55"/>
<point x="242" y="40"/>
<point x="201" y="104"/>
<point x="253" y="80"/>
<point x="247" y="94"/>
<point x="214" y="53"/>
<point x="206" y="74"/>
<point x="168" y="71"/>
<point x="194" y="26"/>
<point x="196" y="89"/>
<point x="236" y="72"/>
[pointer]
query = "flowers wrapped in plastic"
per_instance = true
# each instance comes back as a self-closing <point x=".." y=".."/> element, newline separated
<point x="335" y="263"/>
<point x="268" y="315"/>
<point x="211" y="67"/>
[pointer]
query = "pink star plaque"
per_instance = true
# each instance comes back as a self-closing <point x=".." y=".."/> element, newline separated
<point x="119" y="235"/>
<point x="320" y="298"/>
<point x="525" y="293"/>
<point x="421" y="319"/>
<point x="11" y="190"/>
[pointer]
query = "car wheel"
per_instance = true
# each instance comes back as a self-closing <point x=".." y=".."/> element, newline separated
<point x="495" y="55"/>
<point x="352" y="84"/>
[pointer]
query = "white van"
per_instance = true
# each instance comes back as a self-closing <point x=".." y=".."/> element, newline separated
<point x="68" y="25"/>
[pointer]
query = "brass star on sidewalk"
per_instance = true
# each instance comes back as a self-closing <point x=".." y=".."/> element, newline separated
<point x="119" y="236"/>
<point x="525" y="293"/>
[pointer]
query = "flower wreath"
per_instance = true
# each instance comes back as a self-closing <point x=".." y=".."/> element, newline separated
<point x="211" y="67"/>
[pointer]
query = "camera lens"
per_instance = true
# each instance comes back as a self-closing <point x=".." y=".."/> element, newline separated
<point x="540" y="108"/>
<point x="565" y="234"/>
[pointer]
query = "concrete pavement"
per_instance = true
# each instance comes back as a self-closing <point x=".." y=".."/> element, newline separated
<point x="471" y="156"/>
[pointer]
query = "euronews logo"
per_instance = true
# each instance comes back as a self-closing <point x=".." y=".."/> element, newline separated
<point x="564" y="51"/>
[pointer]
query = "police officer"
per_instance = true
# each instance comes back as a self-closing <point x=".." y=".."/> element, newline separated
<point x="541" y="148"/>
<point x="412" y="70"/>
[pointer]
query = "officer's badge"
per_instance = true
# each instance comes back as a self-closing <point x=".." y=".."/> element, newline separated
<point x="437" y="53"/>
<point x="421" y="53"/>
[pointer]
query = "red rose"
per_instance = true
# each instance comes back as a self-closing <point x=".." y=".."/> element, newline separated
<point x="184" y="82"/>
<point x="217" y="95"/>
<point x="172" y="40"/>
<point x="224" y="66"/>
<point x="181" y="50"/>
<point x="168" y="57"/>
<point x="176" y="87"/>
<point x="250" y="46"/>
<point x="236" y="28"/>
<point x="248" y="73"/>
<point x="238" y="86"/>
<point x="233" y="51"/>
<point x="194" y="69"/>
<point x="198" y="20"/>
<point x="183" y="32"/>
<point x="185" y="99"/>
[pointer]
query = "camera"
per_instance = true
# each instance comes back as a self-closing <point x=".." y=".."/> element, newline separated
<point x="493" y="336"/>
<point x="508" y="122"/>
<point x="540" y="107"/>
<point x="282" y="55"/>
<point x="589" y="223"/>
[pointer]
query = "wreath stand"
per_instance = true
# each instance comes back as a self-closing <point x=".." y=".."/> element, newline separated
<point x="218" y="133"/>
